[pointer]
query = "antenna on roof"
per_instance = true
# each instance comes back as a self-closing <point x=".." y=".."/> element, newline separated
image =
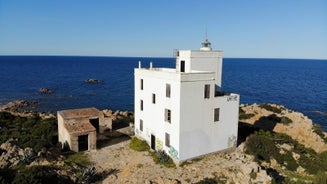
<point x="206" y="33"/>
<point x="206" y="45"/>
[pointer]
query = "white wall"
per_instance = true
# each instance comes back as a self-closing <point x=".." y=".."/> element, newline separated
<point x="63" y="134"/>
<point x="153" y="115"/>
<point x="202" y="61"/>
<point x="199" y="133"/>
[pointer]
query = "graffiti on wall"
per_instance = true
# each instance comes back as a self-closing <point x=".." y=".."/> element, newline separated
<point x="148" y="133"/>
<point x="137" y="131"/>
<point x="232" y="141"/>
<point x="173" y="152"/>
<point x="159" y="144"/>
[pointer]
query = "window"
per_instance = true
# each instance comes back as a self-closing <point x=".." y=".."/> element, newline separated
<point x="168" y="90"/>
<point x="182" y="66"/>
<point x="141" y="125"/>
<point x="141" y="84"/>
<point x="168" y="115"/>
<point x="207" y="91"/>
<point x="154" y="98"/>
<point x="167" y="138"/>
<point x="141" y="105"/>
<point x="216" y="117"/>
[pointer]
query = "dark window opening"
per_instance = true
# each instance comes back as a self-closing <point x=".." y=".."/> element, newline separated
<point x="182" y="66"/>
<point x="141" y="125"/>
<point x="207" y="91"/>
<point x="167" y="138"/>
<point x="141" y="86"/>
<point x="168" y="90"/>
<point x="153" y="98"/>
<point x="216" y="116"/>
<point x="141" y="105"/>
<point x="168" y="115"/>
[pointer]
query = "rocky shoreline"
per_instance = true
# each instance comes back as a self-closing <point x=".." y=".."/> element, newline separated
<point x="227" y="167"/>
<point x="24" y="108"/>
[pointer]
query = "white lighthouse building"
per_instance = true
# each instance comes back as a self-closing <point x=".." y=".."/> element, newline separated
<point x="182" y="110"/>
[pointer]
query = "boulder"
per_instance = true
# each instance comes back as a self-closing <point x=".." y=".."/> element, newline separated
<point x="92" y="81"/>
<point x="12" y="155"/>
<point x="45" y="90"/>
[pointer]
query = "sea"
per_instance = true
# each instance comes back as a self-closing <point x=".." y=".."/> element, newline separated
<point x="298" y="84"/>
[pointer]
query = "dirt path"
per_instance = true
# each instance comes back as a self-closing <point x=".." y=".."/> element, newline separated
<point x="138" y="167"/>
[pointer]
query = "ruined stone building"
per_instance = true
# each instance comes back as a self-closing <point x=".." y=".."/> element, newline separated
<point x="78" y="128"/>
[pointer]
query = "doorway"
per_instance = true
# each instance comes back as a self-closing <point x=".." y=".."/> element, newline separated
<point x="83" y="143"/>
<point x="95" y="123"/>
<point x="153" y="142"/>
<point x="182" y="66"/>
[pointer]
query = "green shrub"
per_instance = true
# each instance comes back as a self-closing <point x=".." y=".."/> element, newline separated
<point x="320" y="178"/>
<point x="271" y="108"/>
<point x="30" y="132"/>
<point x="291" y="164"/>
<point x="7" y="175"/>
<point x="318" y="130"/>
<point x="39" y="174"/>
<point x="79" y="158"/>
<point x="208" y="181"/>
<point x="262" y="146"/>
<point x="253" y="175"/>
<point x="285" y="120"/>
<point x="139" y="145"/>
<point x="246" y="116"/>
<point x="89" y="175"/>
<point x="162" y="158"/>
<point x="243" y="115"/>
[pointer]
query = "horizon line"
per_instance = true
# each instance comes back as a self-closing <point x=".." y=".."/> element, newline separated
<point x="60" y="55"/>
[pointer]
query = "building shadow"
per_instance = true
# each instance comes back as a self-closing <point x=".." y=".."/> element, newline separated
<point x="112" y="139"/>
<point x="267" y="123"/>
<point x="121" y="132"/>
<point x="245" y="130"/>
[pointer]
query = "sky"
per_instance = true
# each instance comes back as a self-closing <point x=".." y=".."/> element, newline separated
<point x="154" y="28"/>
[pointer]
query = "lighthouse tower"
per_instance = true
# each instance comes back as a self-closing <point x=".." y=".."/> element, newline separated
<point x="182" y="110"/>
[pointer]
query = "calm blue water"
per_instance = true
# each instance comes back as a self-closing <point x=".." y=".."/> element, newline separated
<point x="300" y="85"/>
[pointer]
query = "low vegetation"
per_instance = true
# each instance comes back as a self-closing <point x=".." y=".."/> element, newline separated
<point x="271" y="108"/>
<point x="285" y="120"/>
<point x="79" y="158"/>
<point x="318" y="130"/>
<point x="139" y="145"/>
<point x="29" y="132"/>
<point x="267" y="145"/>
<point x="159" y="157"/>
<point x="33" y="174"/>
<point x="243" y="115"/>
<point x="37" y="133"/>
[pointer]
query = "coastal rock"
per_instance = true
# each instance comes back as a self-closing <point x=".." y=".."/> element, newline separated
<point x="92" y="81"/>
<point x="12" y="154"/>
<point x="25" y="108"/>
<point x="18" y="105"/>
<point x="300" y="129"/>
<point x="45" y="90"/>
